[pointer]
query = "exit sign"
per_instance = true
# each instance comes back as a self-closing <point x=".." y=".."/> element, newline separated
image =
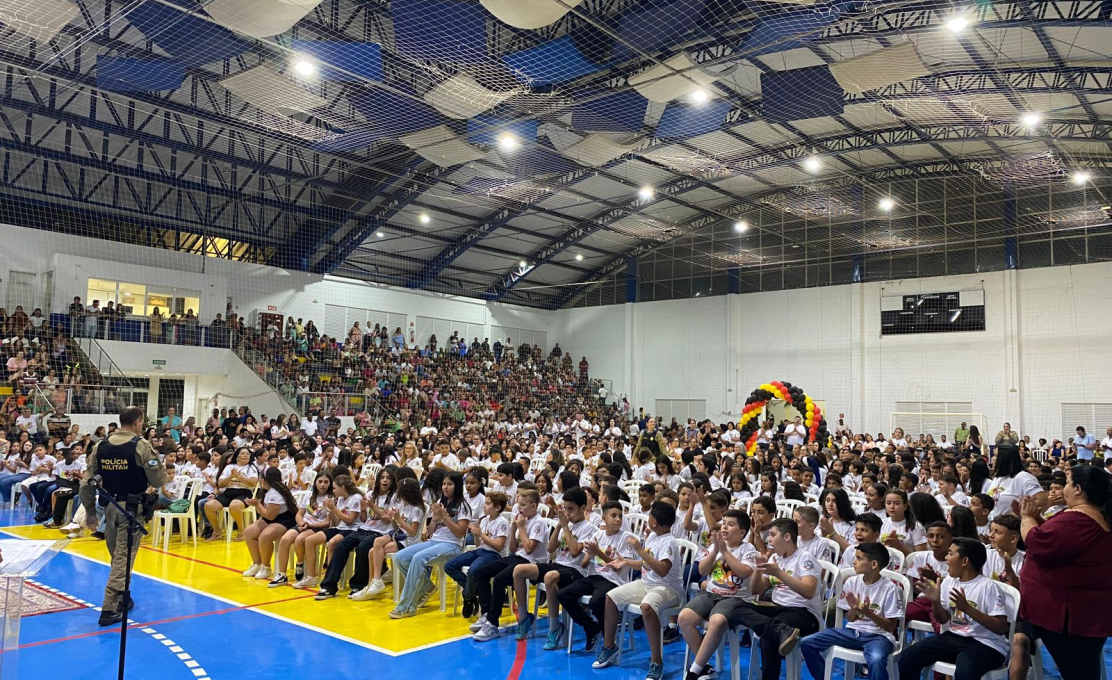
<point x="271" y="308"/>
<point x="158" y="362"/>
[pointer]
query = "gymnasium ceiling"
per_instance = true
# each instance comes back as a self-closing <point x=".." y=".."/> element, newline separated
<point x="524" y="150"/>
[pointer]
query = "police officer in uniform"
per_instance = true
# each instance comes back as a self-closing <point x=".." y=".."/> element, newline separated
<point x="129" y="469"/>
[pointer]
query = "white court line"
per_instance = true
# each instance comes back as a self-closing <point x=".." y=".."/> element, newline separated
<point x="278" y="617"/>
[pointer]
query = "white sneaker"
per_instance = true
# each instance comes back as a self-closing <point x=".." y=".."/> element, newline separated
<point x="71" y="528"/>
<point x="477" y="625"/>
<point x="488" y="632"/>
<point x="376" y="586"/>
<point x="252" y="570"/>
<point x="307" y="582"/>
<point x="74" y="534"/>
<point x="263" y="574"/>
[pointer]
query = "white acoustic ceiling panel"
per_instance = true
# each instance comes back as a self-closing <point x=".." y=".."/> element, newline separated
<point x="259" y="18"/>
<point x="36" y="19"/>
<point x="597" y="149"/>
<point x="442" y="146"/>
<point x="661" y="84"/>
<point x="268" y="90"/>
<point x="529" y="14"/>
<point x="877" y="69"/>
<point x="462" y="97"/>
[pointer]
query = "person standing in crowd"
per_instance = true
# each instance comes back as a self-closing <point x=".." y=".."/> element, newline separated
<point x="1086" y="444"/>
<point x="1062" y="603"/>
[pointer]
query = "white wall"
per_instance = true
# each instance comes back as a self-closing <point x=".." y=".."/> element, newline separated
<point x="1044" y="344"/>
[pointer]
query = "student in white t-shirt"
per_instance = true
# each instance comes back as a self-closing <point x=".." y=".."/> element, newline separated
<point x="277" y="515"/>
<point x="1005" y="560"/>
<point x="974" y="607"/>
<point x="872" y="606"/>
<point x="729" y="563"/>
<point x="660" y="587"/>
<point x="492" y="535"/>
<point x="900" y="529"/>
<point x="950" y="493"/>
<point x="807" y="518"/>
<point x="1010" y="481"/>
<point x="793" y="576"/>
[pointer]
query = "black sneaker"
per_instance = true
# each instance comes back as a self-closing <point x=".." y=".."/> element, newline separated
<point x="672" y="634"/>
<point x="99" y="535"/>
<point x="109" y="618"/>
<point x="281" y="580"/>
<point x="789" y="637"/>
<point x="299" y="571"/>
<point x="593" y="638"/>
<point x="469" y="607"/>
<point x="324" y="595"/>
<point x="708" y="673"/>
<point x="207" y="533"/>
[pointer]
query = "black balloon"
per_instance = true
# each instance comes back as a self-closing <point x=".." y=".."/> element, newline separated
<point x="822" y="423"/>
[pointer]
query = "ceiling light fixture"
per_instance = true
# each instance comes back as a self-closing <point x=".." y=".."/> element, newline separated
<point x="304" y="68"/>
<point x="700" y="96"/>
<point x="1081" y="177"/>
<point x="424" y="218"/>
<point x="523" y="264"/>
<point x="379" y="234"/>
<point x="886" y="204"/>
<point x="1031" y="119"/>
<point x="507" y="142"/>
<point x="812" y="164"/>
<point x="957" y="24"/>
<point x="645" y="193"/>
<point x="579" y="257"/>
<point x="741" y="226"/>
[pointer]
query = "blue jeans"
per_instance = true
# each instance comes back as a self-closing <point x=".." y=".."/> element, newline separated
<point x="473" y="559"/>
<point x="417" y="557"/>
<point x="877" y="649"/>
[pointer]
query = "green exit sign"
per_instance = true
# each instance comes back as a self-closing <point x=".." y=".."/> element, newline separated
<point x="158" y="362"/>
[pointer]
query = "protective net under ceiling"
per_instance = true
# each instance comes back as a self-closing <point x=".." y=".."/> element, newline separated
<point x="527" y="151"/>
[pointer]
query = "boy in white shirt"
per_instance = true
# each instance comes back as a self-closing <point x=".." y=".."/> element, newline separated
<point x="974" y="607"/>
<point x="872" y="606"/>
<point x="792" y="575"/>
<point x="609" y="567"/>
<point x="660" y="587"/>
<point x="949" y="493"/>
<point x="491" y="534"/>
<point x="729" y="563"/>
<point x="807" y="518"/>
<point x="1004" y="561"/>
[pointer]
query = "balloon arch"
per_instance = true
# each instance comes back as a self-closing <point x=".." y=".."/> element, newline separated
<point x="808" y="410"/>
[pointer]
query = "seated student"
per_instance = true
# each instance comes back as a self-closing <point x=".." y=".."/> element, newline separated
<point x="872" y="605"/>
<point x="714" y="505"/>
<point x="928" y="565"/>
<point x="950" y="493"/>
<point x="311" y="518"/>
<point x="491" y="534"/>
<point x="729" y="563"/>
<point x="646" y="494"/>
<point x="528" y="544"/>
<point x="982" y="506"/>
<point x="761" y="514"/>
<point x="343" y="516"/>
<point x="569" y="564"/>
<point x="373" y="524"/>
<point x="866" y="529"/>
<point x="1055" y="495"/>
<point x="609" y="567"/>
<point x="901" y="531"/>
<point x="505" y="482"/>
<point x="404" y="517"/>
<point x="1004" y="561"/>
<point x="444" y="538"/>
<point x="792" y="575"/>
<point x="807" y="518"/>
<point x="974" y="607"/>
<point x="660" y="587"/>
<point x="276" y="517"/>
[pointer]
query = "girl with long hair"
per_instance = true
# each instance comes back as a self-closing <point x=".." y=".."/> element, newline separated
<point x="899" y="529"/>
<point x="405" y="521"/>
<point x="276" y="517"/>
<point x="311" y="518"/>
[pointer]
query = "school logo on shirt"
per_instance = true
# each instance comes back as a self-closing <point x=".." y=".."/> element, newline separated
<point x="962" y="620"/>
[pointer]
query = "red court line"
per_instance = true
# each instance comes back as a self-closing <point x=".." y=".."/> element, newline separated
<point x="519" y="661"/>
<point x="191" y="559"/>
<point x="116" y="629"/>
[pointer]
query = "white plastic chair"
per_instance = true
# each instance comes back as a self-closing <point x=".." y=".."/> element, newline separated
<point x="896" y="560"/>
<point x="827" y="585"/>
<point x="1011" y="605"/>
<point x="187" y="521"/>
<point x="637" y="523"/>
<point x="249" y="516"/>
<point x="787" y="506"/>
<point x="688" y="550"/>
<point x="852" y="657"/>
<point x="743" y="504"/>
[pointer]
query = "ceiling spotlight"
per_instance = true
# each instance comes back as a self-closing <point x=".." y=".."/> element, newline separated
<point x="380" y="234"/>
<point x="645" y="193"/>
<point x="957" y="24"/>
<point x="1081" y="177"/>
<point x="700" y="96"/>
<point x="886" y="204"/>
<point x="304" y="68"/>
<point x="424" y="218"/>
<point x="523" y="264"/>
<point x="1031" y="119"/>
<point x="579" y="257"/>
<point x="507" y="142"/>
<point x="741" y="226"/>
<point x="812" y="164"/>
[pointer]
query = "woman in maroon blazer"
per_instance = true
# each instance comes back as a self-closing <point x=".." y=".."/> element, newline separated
<point x="1065" y="595"/>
